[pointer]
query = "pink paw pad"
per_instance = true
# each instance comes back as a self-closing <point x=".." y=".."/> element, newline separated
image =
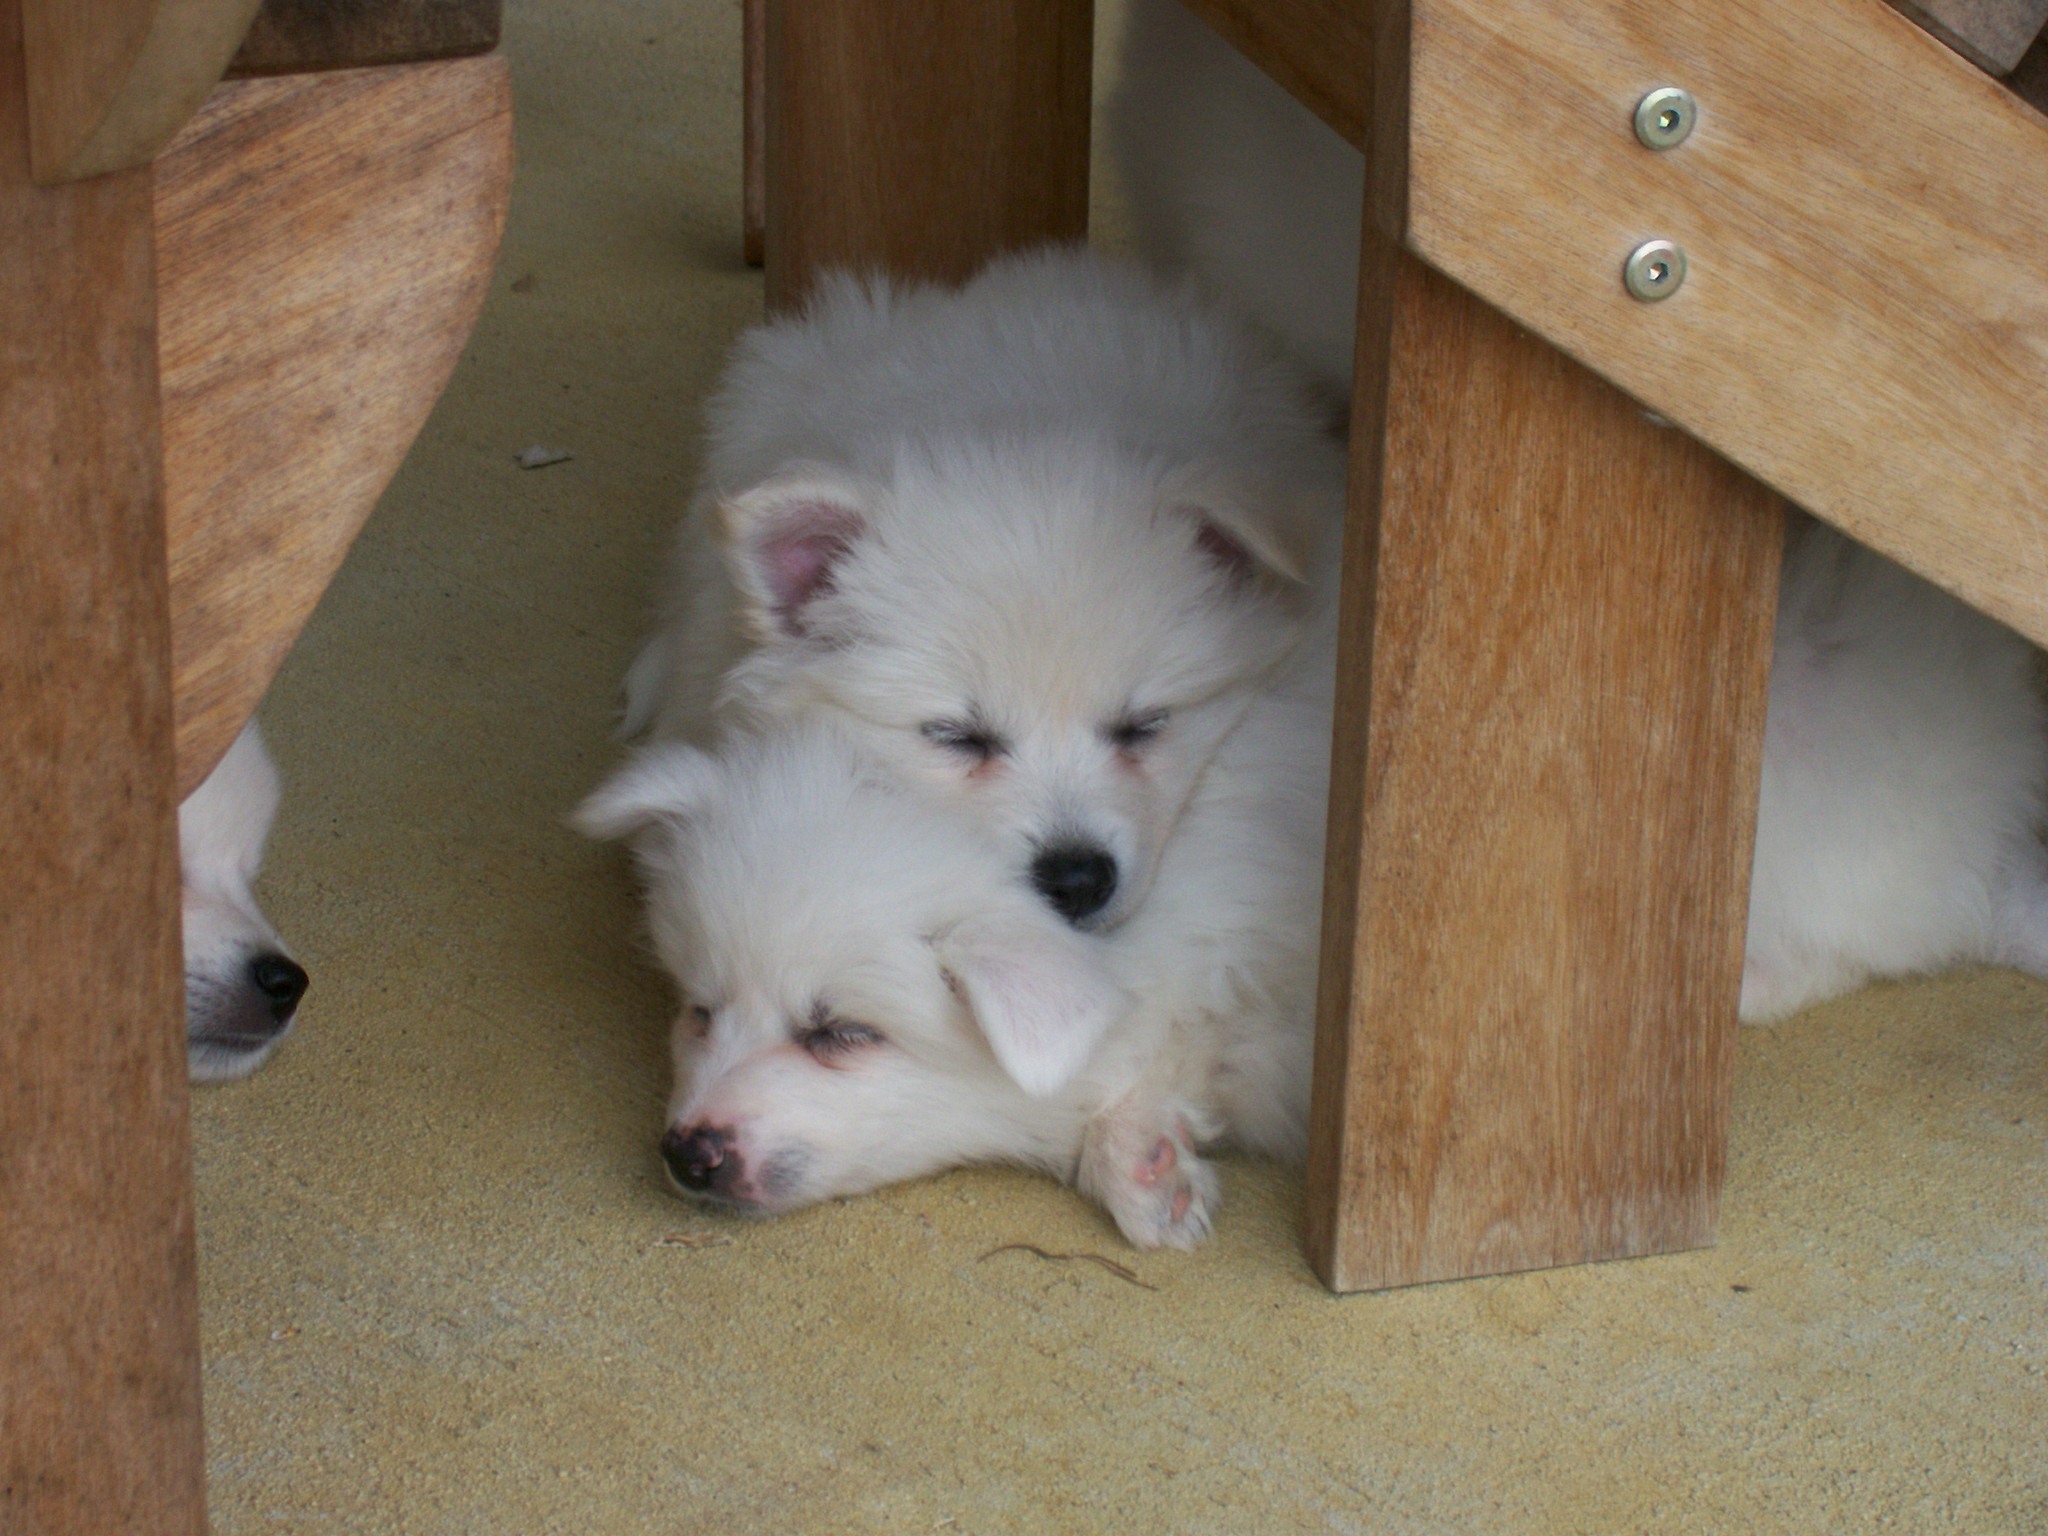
<point x="1160" y="1163"/>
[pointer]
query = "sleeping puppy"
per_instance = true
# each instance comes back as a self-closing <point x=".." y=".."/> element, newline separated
<point x="870" y="995"/>
<point x="1905" y="763"/>
<point x="241" y="987"/>
<point x="1035" y="541"/>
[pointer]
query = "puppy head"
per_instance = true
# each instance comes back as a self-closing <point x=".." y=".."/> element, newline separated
<point x="867" y="996"/>
<point x="242" y="988"/>
<point x="1056" y="634"/>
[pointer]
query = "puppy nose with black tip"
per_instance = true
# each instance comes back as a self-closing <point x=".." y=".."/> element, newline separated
<point x="281" y="980"/>
<point x="696" y="1157"/>
<point x="1077" y="878"/>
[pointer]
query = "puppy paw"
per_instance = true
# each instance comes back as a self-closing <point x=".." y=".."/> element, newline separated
<point x="1151" y="1181"/>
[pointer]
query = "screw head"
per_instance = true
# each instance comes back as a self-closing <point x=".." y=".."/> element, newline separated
<point x="1655" y="270"/>
<point x="1665" y="117"/>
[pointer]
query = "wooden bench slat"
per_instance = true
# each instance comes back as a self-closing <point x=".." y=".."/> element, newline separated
<point x="324" y="243"/>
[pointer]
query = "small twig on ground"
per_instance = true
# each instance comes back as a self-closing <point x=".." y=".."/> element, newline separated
<point x="692" y="1240"/>
<point x="1122" y="1272"/>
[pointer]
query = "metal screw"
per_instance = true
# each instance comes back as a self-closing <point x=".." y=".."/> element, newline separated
<point x="1655" y="270"/>
<point x="1665" y="117"/>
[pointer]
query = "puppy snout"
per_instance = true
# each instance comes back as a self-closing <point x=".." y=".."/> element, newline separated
<point x="1077" y="878"/>
<point x="701" y="1158"/>
<point x="281" y="980"/>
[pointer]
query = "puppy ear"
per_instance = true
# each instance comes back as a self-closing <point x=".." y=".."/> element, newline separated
<point x="662" y="785"/>
<point x="784" y="540"/>
<point x="1039" y="993"/>
<point x="1247" y="530"/>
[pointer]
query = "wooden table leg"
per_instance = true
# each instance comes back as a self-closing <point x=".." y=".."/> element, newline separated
<point x="99" y="1337"/>
<point x="1556" y="637"/>
<point x="922" y="137"/>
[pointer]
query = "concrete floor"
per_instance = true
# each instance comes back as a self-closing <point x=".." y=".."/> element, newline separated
<point x="445" y="1292"/>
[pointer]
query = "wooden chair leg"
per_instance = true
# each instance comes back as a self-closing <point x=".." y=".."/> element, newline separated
<point x="922" y="137"/>
<point x="99" y="1329"/>
<point x="1557" y="622"/>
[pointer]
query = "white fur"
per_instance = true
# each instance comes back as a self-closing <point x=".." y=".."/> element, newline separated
<point x="1906" y="753"/>
<point x="1903" y="785"/>
<point x="1059" y="499"/>
<point x="791" y="881"/>
<point x="231" y="1026"/>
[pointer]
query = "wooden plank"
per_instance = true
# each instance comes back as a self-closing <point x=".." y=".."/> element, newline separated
<point x="754" y="132"/>
<point x="109" y="81"/>
<point x="99" y="1327"/>
<point x="324" y="245"/>
<point x="1554" y="650"/>
<point x="292" y="36"/>
<point x="922" y="137"/>
<point x="1992" y="34"/>
<point x="1865" y="320"/>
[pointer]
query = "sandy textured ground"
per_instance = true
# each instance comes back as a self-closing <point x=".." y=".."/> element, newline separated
<point x="444" y="1291"/>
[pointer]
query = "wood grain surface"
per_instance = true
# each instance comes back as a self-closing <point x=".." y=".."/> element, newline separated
<point x="1992" y="34"/>
<point x="109" y="81"/>
<point x="1558" y="628"/>
<point x="922" y="137"/>
<point x="1865" y="320"/>
<point x="291" y="36"/>
<point x="1556" y="633"/>
<point x="99" y="1327"/>
<point x="324" y="245"/>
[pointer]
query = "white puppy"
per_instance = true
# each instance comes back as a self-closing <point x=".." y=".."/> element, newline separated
<point x="1036" y="540"/>
<point x="241" y="987"/>
<point x="869" y="994"/>
<point x="1906" y="756"/>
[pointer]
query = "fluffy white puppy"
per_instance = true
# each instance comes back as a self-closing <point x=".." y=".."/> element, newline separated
<point x="1035" y="540"/>
<point x="869" y="994"/>
<point x="1904" y="781"/>
<point x="242" y="988"/>
<point x="1906" y="756"/>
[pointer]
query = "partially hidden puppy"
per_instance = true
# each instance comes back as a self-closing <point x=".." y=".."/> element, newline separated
<point x="869" y="994"/>
<point x="242" y="987"/>
<point x="1035" y="541"/>
<point x="1906" y="752"/>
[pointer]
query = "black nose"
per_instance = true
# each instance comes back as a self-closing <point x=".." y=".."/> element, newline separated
<point x="696" y="1157"/>
<point x="282" y="981"/>
<point x="1077" y="878"/>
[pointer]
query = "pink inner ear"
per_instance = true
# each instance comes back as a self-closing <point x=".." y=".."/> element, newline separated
<point x="797" y="559"/>
<point x="1223" y="549"/>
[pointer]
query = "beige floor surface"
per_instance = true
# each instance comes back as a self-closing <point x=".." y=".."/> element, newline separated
<point x="443" y="1288"/>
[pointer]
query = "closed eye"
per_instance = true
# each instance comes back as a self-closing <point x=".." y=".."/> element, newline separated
<point x="969" y="738"/>
<point x="700" y="1020"/>
<point x="1129" y="732"/>
<point x="831" y="1040"/>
